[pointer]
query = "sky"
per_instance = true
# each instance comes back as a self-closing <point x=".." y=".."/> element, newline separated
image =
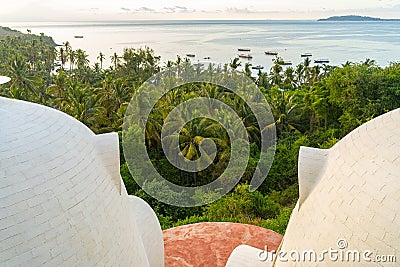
<point x="82" y="10"/>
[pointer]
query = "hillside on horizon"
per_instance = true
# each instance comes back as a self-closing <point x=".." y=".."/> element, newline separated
<point x="7" y="32"/>
<point x="355" y="18"/>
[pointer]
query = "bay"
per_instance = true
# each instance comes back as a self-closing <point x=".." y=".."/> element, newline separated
<point x="337" y="41"/>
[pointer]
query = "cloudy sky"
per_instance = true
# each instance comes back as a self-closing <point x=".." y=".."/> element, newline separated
<point x="56" y="10"/>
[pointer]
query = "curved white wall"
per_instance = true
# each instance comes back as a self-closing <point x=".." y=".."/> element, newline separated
<point x="62" y="201"/>
<point x="4" y="79"/>
<point x="350" y="192"/>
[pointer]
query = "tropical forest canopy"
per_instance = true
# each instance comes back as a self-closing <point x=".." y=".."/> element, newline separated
<point x="313" y="105"/>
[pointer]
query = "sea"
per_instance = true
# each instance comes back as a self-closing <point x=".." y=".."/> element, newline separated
<point x="218" y="41"/>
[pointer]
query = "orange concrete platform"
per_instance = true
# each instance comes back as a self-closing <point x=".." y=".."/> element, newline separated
<point x="209" y="244"/>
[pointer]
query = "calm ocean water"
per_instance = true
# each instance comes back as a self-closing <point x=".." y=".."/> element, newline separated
<point x="337" y="41"/>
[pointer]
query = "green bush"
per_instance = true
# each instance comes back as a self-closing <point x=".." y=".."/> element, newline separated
<point x="287" y="197"/>
<point x="278" y="224"/>
<point x="242" y="204"/>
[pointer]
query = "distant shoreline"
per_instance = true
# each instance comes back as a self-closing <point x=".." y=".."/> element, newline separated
<point x="7" y="32"/>
<point x="219" y="40"/>
<point x="73" y="23"/>
<point x="356" y="18"/>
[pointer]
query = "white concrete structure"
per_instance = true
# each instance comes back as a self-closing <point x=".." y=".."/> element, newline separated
<point x="4" y="79"/>
<point x="349" y="200"/>
<point x="62" y="200"/>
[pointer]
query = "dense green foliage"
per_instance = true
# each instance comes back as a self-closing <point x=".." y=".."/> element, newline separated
<point x="312" y="105"/>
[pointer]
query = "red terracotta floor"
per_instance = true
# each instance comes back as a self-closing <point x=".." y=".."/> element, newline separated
<point x="210" y="244"/>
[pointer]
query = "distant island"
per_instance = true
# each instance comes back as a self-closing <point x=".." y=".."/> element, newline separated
<point x="355" y="18"/>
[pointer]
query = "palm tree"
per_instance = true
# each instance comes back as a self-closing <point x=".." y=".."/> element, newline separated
<point x="276" y="72"/>
<point x="114" y="97"/>
<point x="307" y="70"/>
<point x="299" y="74"/>
<point x="289" y="81"/>
<point x="263" y="80"/>
<point x="96" y="67"/>
<point x="235" y="63"/>
<point x="82" y="60"/>
<point x="115" y="59"/>
<point x="315" y="74"/>
<point x="57" y="90"/>
<point x="193" y="134"/>
<point x="67" y="47"/>
<point x="71" y="55"/>
<point x="62" y="56"/>
<point x="22" y="83"/>
<point x="68" y="51"/>
<point x="247" y="70"/>
<point x="101" y="57"/>
<point x="286" y="109"/>
<point x="83" y="104"/>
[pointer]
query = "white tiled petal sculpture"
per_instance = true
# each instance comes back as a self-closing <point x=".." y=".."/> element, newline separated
<point x="62" y="200"/>
<point x="4" y="79"/>
<point x="350" y="192"/>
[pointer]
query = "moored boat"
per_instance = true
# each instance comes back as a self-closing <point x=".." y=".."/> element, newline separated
<point x="244" y="49"/>
<point x="285" y="63"/>
<point x="258" y="67"/>
<point x="190" y="55"/>
<point x="198" y="64"/>
<point x="245" y="56"/>
<point x="78" y="36"/>
<point x="271" y="53"/>
<point x="321" y="61"/>
<point x="306" y="55"/>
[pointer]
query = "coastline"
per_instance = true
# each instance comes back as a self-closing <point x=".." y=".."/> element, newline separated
<point x="220" y="39"/>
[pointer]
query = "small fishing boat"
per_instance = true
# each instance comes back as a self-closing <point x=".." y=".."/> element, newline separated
<point x="244" y="49"/>
<point x="190" y="55"/>
<point x="78" y="36"/>
<point x="285" y="63"/>
<point x="321" y="61"/>
<point x="198" y="64"/>
<point x="306" y="55"/>
<point x="207" y="58"/>
<point x="245" y="56"/>
<point x="258" y="67"/>
<point x="271" y="53"/>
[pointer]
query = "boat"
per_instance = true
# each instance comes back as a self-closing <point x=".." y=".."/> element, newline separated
<point x="244" y="49"/>
<point x="78" y="36"/>
<point x="198" y="64"/>
<point x="207" y="58"/>
<point x="190" y="55"/>
<point x="306" y="55"/>
<point x="271" y="53"/>
<point x="321" y="61"/>
<point x="258" y="67"/>
<point x="285" y="63"/>
<point x="245" y="56"/>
